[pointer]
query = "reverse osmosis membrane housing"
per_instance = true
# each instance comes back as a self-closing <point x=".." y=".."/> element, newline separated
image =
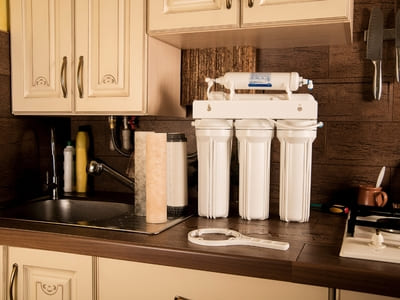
<point x="253" y="119"/>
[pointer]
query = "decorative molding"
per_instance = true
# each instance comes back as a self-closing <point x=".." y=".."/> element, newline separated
<point x="279" y="2"/>
<point x="174" y="6"/>
<point x="41" y="81"/>
<point x="109" y="79"/>
<point x="49" y="289"/>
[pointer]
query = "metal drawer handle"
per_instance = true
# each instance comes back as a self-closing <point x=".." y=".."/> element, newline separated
<point x="180" y="298"/>
<point x="228" y="4"/>
<point x="63" y="78"/>
<point x="79" y="77"/>
<point x="250" y="3"/>
<point x="14" y="273"/>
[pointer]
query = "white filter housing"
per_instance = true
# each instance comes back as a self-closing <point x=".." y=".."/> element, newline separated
<point x="295" y="169"/>
<point x="214" y="148"/>
<point x="254" y="138"/>
<point x="282" y="81"/>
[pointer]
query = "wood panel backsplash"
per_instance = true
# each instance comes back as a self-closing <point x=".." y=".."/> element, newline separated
<point x="359" y="137"/>
<point x="198" y="64"/>
<point x="24" y="141"/>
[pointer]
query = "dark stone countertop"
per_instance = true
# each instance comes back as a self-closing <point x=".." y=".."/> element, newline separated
<point x="313" y="256"/>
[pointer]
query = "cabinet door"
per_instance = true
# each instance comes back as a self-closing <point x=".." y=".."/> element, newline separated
<point x="3" y="265"/>
<point x="47" y="275"/>
<point x="295" y="12"/>
<point x="41" y="56"/>
<point x="109" y="56"/>
<point x="190" y="15"/>
<point x="350" y="295"/>
<point x="125" y="280"/>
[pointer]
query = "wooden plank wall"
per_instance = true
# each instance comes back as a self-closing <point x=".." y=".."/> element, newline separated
<point x="198" y="64"/>
<point x="360" y="134"/>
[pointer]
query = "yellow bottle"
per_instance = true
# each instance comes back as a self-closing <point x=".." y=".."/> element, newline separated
<point x="81" y="158"/>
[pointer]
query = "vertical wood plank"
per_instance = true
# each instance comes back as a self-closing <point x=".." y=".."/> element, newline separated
<point x="198" y="64"/>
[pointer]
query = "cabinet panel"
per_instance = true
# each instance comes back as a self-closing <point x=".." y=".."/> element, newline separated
<point x="89" y="57"/>
<point x="294" y="12"/>
<point x="48" y="275"/>
<point x="112" y="56"/>
<point x="125" y="280"/>
<point x="3" y="272"/>
<point x="259" y="23"/>
<point x="350" y="295"/>
<point x="41" y="43"/>
<point x="109" y="48"/>
<point x="192" y="14"/>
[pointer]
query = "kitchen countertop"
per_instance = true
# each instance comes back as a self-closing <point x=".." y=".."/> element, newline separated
<point x="313" y="256"/>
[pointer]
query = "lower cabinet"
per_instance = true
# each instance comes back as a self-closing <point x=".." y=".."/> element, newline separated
<point x="350" y="295"/>
<point x="124" y="280"/>
<point x="48" y="275"/>
<point x="30" y="274"/>
<point x="2" y="273"/>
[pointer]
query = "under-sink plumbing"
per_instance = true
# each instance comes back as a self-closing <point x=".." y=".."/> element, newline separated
<point x="96" y="168"/>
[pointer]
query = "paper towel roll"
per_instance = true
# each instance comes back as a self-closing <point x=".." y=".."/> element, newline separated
<point x="140" y="172"/>
<point x="156" y="177"/>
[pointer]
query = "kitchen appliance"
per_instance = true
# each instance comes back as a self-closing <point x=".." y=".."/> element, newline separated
<point x="254" y="138"/>
<point x="254" y="117"/>
<point x="295" y="169"/>
<point x="214" y="146"/>
<point x="372" y="233"/>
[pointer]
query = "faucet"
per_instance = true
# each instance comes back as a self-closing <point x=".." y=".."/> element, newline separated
<point x="96" y="168"/>
<point x="54" y="184"/>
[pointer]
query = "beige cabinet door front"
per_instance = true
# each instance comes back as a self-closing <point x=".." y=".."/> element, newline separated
<point x="293" y="12"/>
<point x="41" y="56"/>
<point x="110" y="56"/>
<point x="48" y="275"/>
<point x="351" y="295"/>
<point x="125" y="280"/>
<point x="192" y="15"/>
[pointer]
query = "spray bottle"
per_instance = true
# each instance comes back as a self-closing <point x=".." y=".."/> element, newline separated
<point x="82" y="147"/>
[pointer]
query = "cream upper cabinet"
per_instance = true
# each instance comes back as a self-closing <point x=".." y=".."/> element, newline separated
<point x="192" y="14"/>
<point x="48" y="275"/>
<point x="41" y="52"/>
<point x="125" y="280"/>
<point x="259" y="23"/>
<point x="261" y="12"/>
<point x="89" y="57"/>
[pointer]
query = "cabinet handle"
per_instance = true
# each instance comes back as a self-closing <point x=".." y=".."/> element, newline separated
<point x="228" y="4"/>
<point x="12" y="280"/>
<point x="79" y="77"/>
<point x="250" y="3"/>
<point x="63" y="78"/>
<point x="180" y="298"/>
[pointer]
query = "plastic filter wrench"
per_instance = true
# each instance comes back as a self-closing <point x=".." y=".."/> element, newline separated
<point x="207" y="237"/>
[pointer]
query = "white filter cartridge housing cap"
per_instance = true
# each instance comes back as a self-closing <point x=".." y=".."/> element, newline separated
<point x="253" y="124"/>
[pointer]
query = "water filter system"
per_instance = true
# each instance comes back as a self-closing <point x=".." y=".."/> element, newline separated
<point x="254" y="118"/>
